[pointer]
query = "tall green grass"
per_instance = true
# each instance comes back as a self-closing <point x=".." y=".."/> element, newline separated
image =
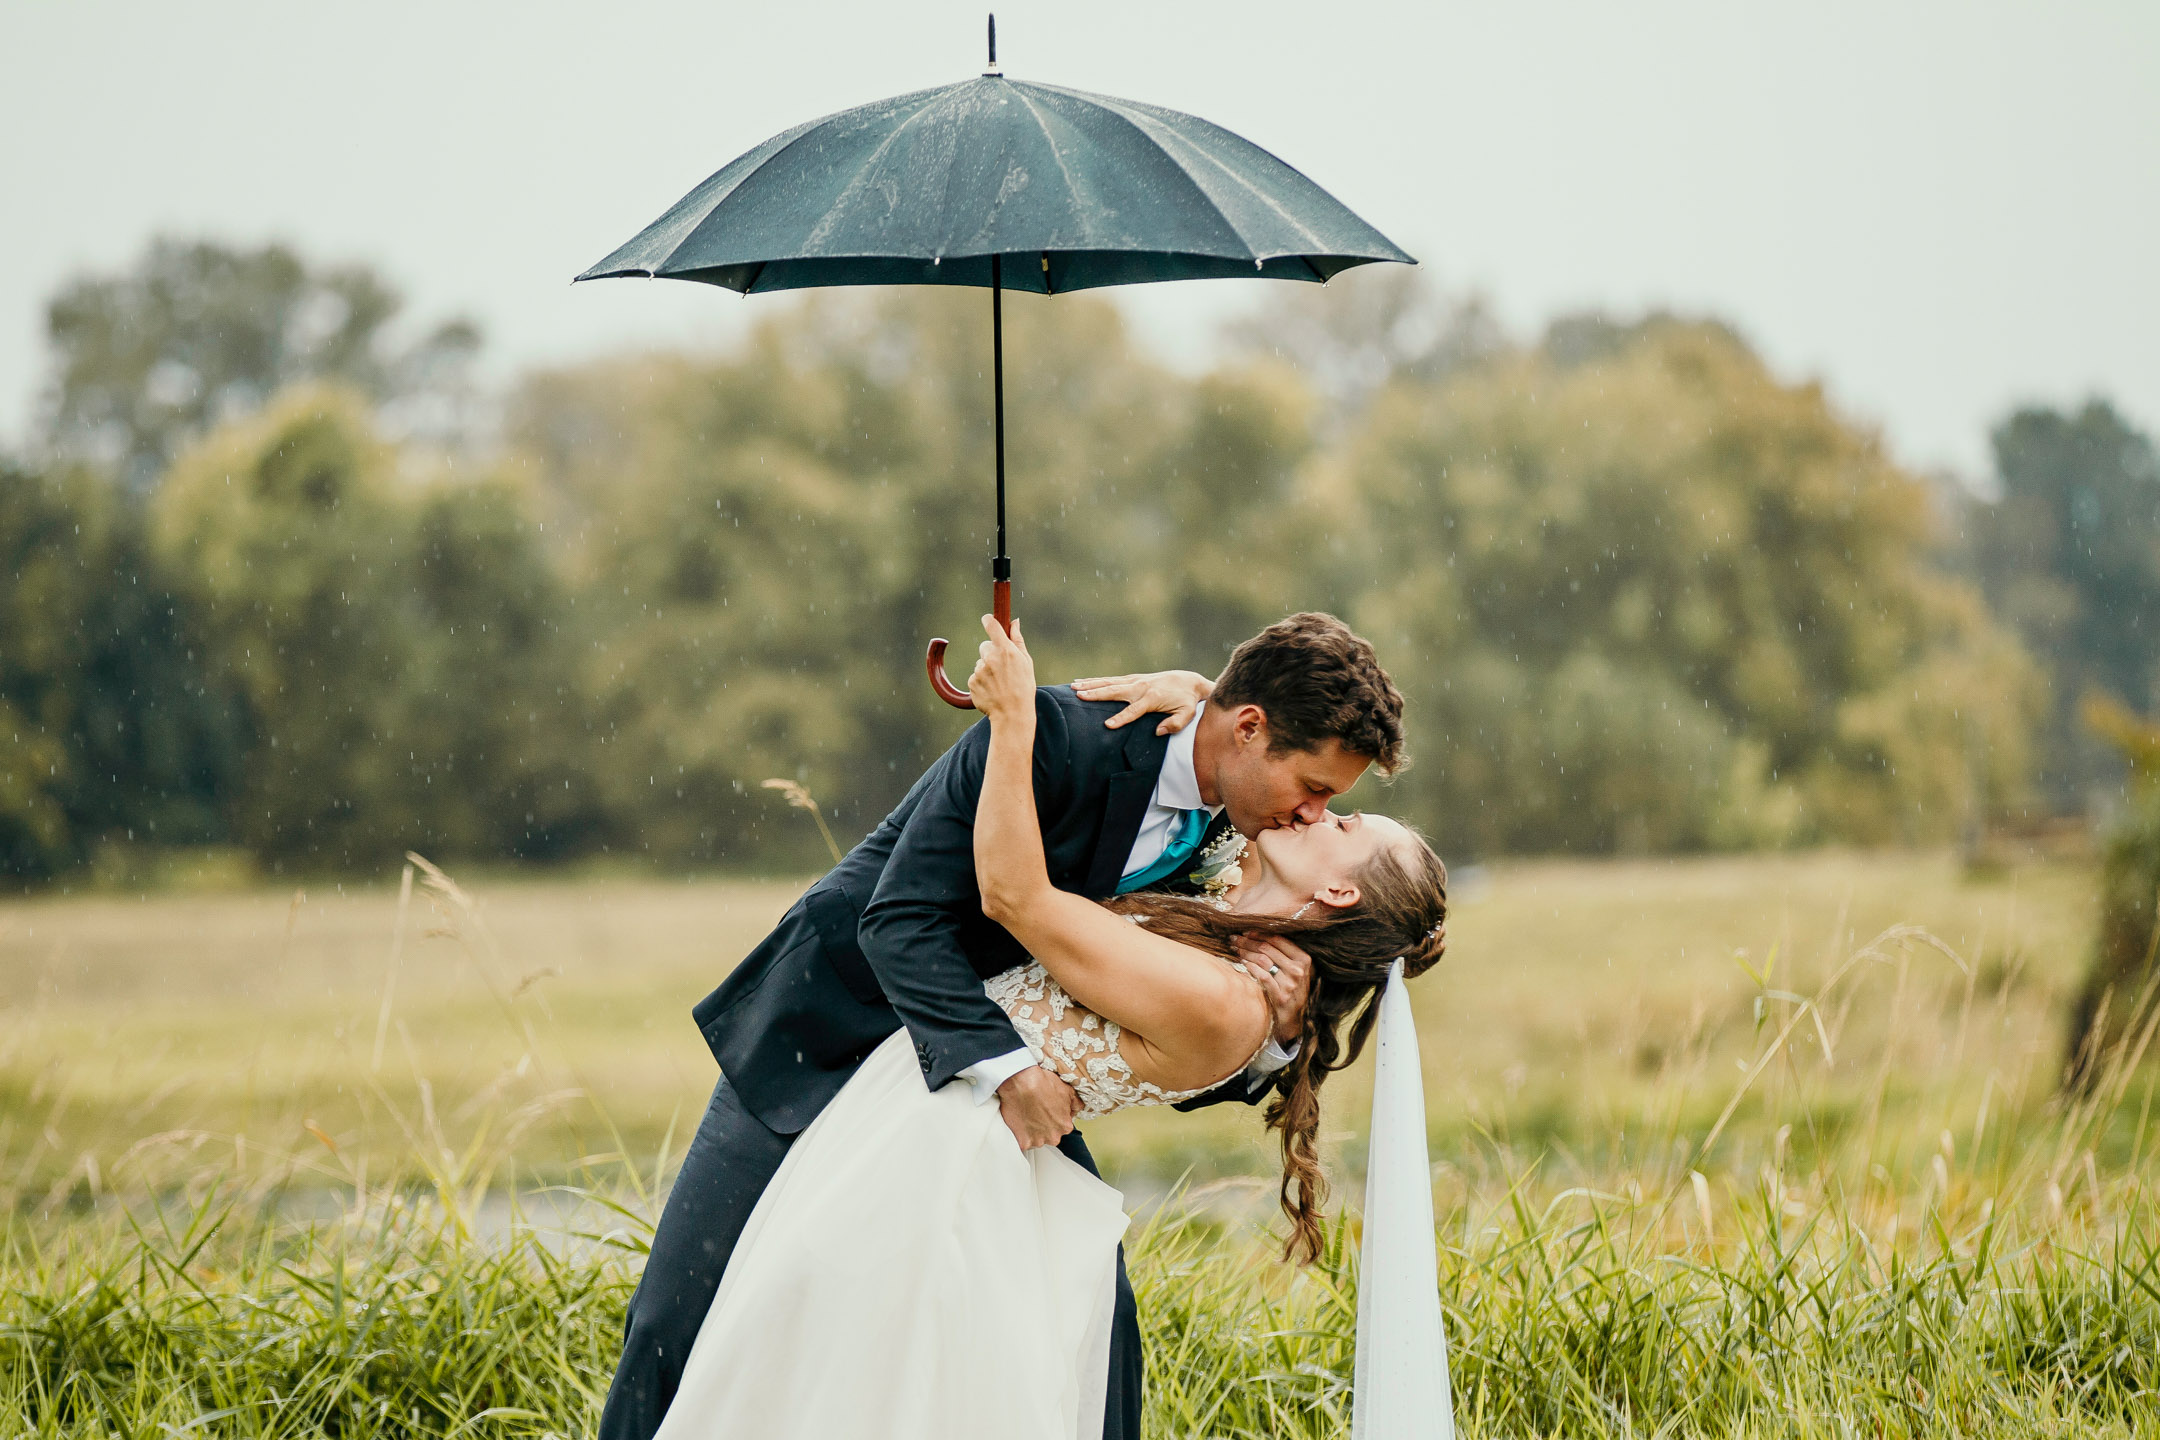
<point x="1586" y="1315"/>
<point x="1578" y="1320"/>
<point x="222" y="1324"/>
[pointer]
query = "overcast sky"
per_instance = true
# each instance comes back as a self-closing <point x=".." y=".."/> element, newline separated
<point x="1938" y="209"/>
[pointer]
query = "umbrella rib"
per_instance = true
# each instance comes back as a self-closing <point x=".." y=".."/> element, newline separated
<point x="1056" y="153"/>
<point x="855" y="182"/>
<point x="1122" y="109"/>
<point x="741" y="180"/>
<point x="1251" y="189"/>
<point x="805" y="133"/>
<point x="1184" y="174"/>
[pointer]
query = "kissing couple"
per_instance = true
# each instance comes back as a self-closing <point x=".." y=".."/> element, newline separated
<point x="886" y="1226"/>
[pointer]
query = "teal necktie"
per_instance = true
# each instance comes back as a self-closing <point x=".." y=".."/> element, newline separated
<point x="1176" y="853"/>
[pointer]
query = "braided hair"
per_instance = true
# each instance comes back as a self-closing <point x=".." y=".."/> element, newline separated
<point x="1401" y="913"/>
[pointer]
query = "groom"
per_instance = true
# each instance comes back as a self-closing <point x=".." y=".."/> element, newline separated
<point x="894" y="935"/>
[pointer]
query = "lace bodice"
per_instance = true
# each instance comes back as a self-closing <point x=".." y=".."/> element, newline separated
<point x="1080" y="1047"/>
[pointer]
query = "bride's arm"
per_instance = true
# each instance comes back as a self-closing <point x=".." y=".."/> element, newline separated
<point x="1188" y="1009"/>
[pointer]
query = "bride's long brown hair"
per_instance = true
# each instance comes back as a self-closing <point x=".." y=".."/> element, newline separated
<point x="1401" y="913"/>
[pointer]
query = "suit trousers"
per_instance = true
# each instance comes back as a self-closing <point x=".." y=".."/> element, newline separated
<point x="731" y="1160"/>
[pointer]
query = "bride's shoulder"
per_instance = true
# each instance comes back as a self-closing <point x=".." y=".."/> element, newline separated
<point x="1221" y="1001"/>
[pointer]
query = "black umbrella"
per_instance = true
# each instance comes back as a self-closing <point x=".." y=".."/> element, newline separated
<point x="1007" y="184"/>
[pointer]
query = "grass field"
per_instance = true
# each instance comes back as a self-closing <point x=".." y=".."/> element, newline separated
<point x="1579" y="1004"/>
<point x="1764" y="1145"/>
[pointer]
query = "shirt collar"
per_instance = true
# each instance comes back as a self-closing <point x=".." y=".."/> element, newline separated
<point x="1178" y="787"/>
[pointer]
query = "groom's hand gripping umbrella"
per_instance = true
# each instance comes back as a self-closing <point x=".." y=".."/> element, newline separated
<point x="1005" y="184"/>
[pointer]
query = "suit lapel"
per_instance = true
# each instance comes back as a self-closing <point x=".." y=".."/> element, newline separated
<point x="1125" y="804"/>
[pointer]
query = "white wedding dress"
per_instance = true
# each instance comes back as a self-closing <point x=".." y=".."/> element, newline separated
<point x="911" y="1274"/>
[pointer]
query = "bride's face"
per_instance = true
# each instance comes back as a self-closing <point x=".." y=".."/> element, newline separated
<point x="1322" y="860"/>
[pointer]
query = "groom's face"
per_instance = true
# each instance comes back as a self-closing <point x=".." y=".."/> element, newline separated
<point x="1264" y="790"/>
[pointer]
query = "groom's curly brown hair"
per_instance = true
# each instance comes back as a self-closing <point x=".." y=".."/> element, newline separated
<point x="1317" y="678"/>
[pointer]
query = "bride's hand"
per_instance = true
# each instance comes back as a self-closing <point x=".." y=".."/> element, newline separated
<point x="1003" y="682"/>
<point x="1176" y="693"/>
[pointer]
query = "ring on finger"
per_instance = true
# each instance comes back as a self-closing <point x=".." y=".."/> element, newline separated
<point x="1274" y="969"/>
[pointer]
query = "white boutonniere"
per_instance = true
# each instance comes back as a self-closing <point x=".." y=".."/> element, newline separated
<point x="1217" y="869"/>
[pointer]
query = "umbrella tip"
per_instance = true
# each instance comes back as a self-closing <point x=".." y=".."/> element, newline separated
<point x="992" y="68"/>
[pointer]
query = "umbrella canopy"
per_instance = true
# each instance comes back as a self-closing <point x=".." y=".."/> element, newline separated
<point x="1070" y="190"/>
<point x="1006" y="184"/>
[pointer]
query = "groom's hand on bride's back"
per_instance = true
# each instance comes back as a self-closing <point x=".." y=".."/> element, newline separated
<point x="1037" y="1107"/>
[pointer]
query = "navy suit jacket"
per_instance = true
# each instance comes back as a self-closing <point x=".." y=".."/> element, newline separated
<point x="895" y="935"/>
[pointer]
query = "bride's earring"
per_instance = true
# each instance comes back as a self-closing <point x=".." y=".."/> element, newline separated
<point x="1299" y="913"/>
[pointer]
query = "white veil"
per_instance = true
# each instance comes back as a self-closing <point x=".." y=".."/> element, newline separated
<point x="1401" y="1388"/>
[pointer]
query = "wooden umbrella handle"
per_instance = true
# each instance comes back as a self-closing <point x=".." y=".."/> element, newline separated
<point x="951" y="694"/>
<point x="934" y="658"/>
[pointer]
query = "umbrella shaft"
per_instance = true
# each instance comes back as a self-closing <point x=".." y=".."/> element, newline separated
<point x="1001" y="567"/>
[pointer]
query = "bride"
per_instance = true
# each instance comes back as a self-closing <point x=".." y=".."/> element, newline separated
<point x="910" y="1271"/>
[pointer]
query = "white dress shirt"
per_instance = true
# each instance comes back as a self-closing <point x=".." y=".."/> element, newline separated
<point x="1177" y="790"/>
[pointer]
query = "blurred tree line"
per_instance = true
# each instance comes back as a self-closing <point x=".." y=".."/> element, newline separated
<point x="1642" y="595"/>
<point x="2070" y="556"/>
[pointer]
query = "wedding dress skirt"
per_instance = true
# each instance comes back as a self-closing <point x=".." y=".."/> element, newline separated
<point x="911" y="1272"/>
